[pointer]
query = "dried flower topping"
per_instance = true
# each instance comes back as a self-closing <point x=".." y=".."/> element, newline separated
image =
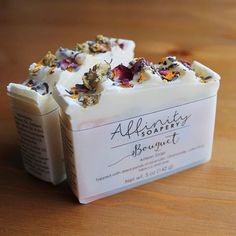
<point x="68" y="59"/>
<point x="167" y="61"/>
<point x="169" y="75"/>
<point x="76" y="91"/>
<point x="101" y="44"/>
<point x="138" y="70"/>
<point x="48" y="60"/>
<point x="142" y="77"/>
<point x="38" y="86"/>
<point x="122" y="76"/>
<point x="69" y="64"/>
<point x="138" y="64"/>
<point x="82" y="47"/>
<point x="90" y="100"/>
<point x="89" y="92"/>
<point x="63" y="53"/>
<point x="92" y="79"/>
<point x="170" y="69"/>
<point x="36" y="68"/>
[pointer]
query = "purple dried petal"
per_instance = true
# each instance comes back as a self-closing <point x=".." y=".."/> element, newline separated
<point x="63" y="64"/>
<point x="68" y="63"/>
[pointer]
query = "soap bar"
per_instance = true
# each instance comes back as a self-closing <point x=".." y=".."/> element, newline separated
<point x="35" y="110"/>
<point x="130" y="125"/>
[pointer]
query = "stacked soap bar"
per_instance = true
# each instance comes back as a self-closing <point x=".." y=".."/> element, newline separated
<point x="132" y="124"/>
<point x="35" y="110"/>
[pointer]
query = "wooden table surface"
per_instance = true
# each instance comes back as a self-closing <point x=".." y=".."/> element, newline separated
<point x="198" y="201"/>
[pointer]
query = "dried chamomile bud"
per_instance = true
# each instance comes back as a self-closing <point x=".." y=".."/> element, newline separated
<point x="49" y="60"/>
<point x="90" y="99"/>
<point x="82" y="47"/>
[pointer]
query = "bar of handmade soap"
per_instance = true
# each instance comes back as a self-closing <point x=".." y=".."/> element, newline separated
<point x="132" y="125"/>
<point x="35" y="110"/>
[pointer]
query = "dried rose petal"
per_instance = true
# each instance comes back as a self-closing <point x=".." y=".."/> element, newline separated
<point x="122" y="73"/>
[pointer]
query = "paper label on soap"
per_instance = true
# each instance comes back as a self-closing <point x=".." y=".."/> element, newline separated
<point x="33" y="142"/>
<point x="123" y="153"/>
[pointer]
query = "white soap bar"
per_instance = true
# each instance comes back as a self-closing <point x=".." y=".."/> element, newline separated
<point x="35" y="110"/>
<point x="149" y="121"/>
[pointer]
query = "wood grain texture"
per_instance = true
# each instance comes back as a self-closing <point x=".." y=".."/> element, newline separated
<point x="198" y="201"/>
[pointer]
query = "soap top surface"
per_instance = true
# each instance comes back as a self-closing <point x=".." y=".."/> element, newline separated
<point x="139" y="74"/>
<point x="44" y="74"/>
